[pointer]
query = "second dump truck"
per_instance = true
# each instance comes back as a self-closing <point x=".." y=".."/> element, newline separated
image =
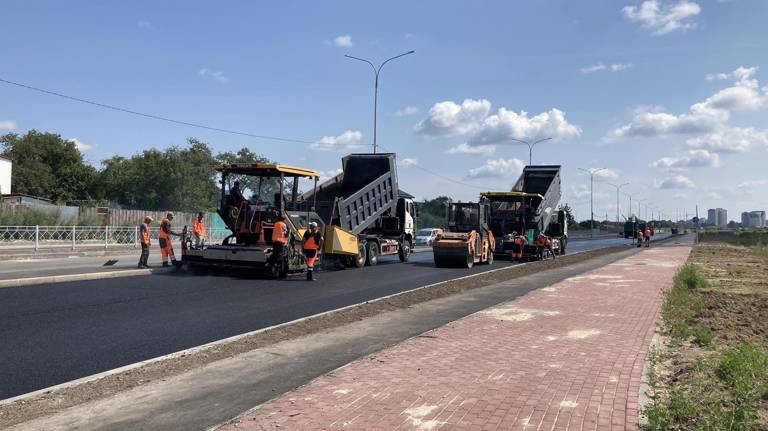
<point x="529" y="210"/>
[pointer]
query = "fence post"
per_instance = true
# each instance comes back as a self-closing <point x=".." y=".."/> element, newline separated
<point x="106" y="236"/>
<point x="74" y="236"/>
<point x="136" y="238"/>
<point x="37" y="237"/>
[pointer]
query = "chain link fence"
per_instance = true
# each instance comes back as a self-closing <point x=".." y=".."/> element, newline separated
<point x="73" y="237"/>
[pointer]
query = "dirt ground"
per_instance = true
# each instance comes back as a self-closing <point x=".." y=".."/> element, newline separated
<point x="60" y="399"/>
<point x="735" y="310"/>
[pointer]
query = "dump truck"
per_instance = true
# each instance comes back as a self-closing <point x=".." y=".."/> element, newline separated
<point x="251" y="222"/>
<point x="631" y="226"/>
<point x="468" y="239"/>
<point x="364" y="212"/>
<point x="528" y="210"/>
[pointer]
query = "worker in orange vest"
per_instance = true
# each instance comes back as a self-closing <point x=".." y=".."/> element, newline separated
<point x="198" y="230"/>
<point x="166" y="247"/>
<point x="313" y="243"/>
<point x="518" y="243"/>
<point x="145" y="242"/>
<point x="647" y="236"/>
<point x="543" y="242"/>
<point x="279" y="239"/>
<point x="639" y="237"/>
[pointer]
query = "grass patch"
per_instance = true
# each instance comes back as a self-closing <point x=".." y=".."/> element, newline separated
<point x="747" y="238"/>
<point x="681" y="305"/>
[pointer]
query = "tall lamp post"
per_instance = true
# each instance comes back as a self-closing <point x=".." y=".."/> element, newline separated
<point x="618" y="188"/>
<point x="631" y="195"/>
<point x="530" y="147"/>
<point x="591" y="172"/>
<point x="376" y="71"/>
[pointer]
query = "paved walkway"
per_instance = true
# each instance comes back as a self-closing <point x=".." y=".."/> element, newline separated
<point x="568" y="356"/>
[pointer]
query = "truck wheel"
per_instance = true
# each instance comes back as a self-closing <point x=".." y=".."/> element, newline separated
<point x="359" y="260"/>
<point x="405" y="251"/>
<point x="373" y="254"/>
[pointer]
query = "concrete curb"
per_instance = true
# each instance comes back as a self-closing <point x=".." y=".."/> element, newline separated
<point x="31" y="281"/>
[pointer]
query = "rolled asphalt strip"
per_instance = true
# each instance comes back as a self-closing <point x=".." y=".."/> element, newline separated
<point x="100" y="275"/>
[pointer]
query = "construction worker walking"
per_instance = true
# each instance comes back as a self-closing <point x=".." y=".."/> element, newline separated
<point x="647" y="237"/>
<point x="279" y="239"/>
<point x="313" y="243"/>
<point x="166" y="246"/>
<point x="518" y="244"/>
<point x="145" y="240"/>
<point x="198" y="230"/>
<point x="639" y="237"/>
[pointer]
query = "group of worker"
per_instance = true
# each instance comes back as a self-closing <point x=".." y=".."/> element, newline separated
<point x="164" y="238"/>
<point x="519" y="242"/>
<point x="312" y="241"/>
<point x="644" y="236"/>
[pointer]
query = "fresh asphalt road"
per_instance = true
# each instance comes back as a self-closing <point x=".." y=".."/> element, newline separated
<point x="55" y="333"/>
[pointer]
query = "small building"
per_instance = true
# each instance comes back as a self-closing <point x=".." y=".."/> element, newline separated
<point x="717" y="217"/>
<point x="753" y="219"/>
<point x="6" y="169"/>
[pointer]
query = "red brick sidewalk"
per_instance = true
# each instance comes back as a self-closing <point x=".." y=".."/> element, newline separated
<point x="568" y="356"/>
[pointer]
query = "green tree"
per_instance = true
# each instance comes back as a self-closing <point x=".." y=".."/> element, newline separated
<point x="432" y="212"/>
<point x="179" y="178"/>
<point x="48" y="166"/>
<point x="568" y="214"/>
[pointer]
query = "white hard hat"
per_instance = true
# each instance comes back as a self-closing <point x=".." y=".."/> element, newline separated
<point x="312" y="224"/>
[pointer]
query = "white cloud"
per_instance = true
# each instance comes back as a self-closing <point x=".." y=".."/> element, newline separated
<point x="473" y="150"/>
<point x="616" y="67"/>
<point x="578" y="192"/>
<point x="408" y="110"/>
<point x="607" y="174"/>
<point x="450" y="119"/>
<point x="144" y="24"/>
<point x="7" y="125"/>
<point x="407" y="162"/>
<point x="691" y="159"/>
<point x="349" y="140"/>
<point x="343" y="41"/>
<point x="81" y="146"/>
<point x="704" y="117"/>
<point x="504" y="125"/>
<point x="663" y="18"/>
<point x="730" y="140"/>
<point x="752" y="184"/>
<point x="675" y="182"/>
<point x="327" y="175"/>
<point x="216" y="75"/>
<point x="408" y="36"/>
<point x="498" y="168"/>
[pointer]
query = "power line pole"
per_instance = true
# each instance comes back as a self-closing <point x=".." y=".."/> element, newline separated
<point x="618" y="188"/>
<point x="530" y="147"/>
<point x="591" y="172"/>
<point x="376" y="72"/>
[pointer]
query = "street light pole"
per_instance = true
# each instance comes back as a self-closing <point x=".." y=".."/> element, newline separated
<point x="376" y="72"/>
<point x="530" y="147"/>
<point x="591" y="172"/>
<point x="630" y="204"/>
<point x="618" y="188"/>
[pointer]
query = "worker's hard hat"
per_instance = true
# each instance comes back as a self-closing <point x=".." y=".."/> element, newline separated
<point x="148" y="218"/>
<point x="169" y="215"/>
<point x="312" y="224"/>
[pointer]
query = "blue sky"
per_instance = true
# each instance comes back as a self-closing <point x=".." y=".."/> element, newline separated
<point x="670" y="95"/>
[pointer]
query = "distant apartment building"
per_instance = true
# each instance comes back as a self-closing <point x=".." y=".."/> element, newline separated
<point x="717" y="217"/>
<point x="753" y="219"/>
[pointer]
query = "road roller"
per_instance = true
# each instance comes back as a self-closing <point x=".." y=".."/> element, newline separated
<point x="467" y="240"/>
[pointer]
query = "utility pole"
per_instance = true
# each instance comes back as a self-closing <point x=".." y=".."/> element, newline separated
<point x="530" y="147"/>
<point x="591" y="172"/>
<point x="376" y="87"/>
<point x="630" y="204"/>
<point x="618" y="188"/>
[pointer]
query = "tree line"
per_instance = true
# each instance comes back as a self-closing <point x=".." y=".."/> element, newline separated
<point x="180" y="177"/>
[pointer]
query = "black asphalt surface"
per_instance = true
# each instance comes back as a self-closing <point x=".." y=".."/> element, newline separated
<point x="51" y="334"/>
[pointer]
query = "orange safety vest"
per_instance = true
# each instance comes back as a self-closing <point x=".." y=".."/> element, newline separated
<point x="647" y="233"/>
<point x="145" y="240"/>
<point x="312" y="241"/>
<point x="278" y="232"/>
<point x="640" y="234"/>
<point x="542" y="241"/>
<point x="165" y="225"/>
<point x="198" y="228"/>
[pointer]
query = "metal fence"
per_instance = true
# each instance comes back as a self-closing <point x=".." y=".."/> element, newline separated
<point x="73" y="237"/>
